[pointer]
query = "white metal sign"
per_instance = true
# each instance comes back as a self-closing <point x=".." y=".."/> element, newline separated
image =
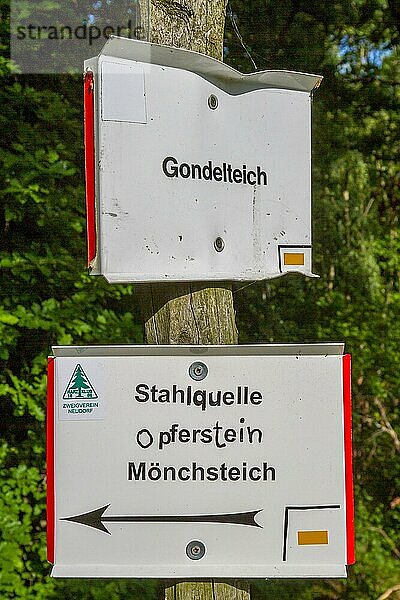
<point x="200" y="461"/>
<point x="194" y="170"/>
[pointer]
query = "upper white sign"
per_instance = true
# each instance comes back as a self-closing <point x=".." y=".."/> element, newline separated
<point x="204" y="461"/>
<point x="195" y="171"/>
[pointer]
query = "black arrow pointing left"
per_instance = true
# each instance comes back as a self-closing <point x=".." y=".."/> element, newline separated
<point x="96" y="519"/>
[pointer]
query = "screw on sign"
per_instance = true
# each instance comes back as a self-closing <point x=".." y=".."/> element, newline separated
<point x="213" y="102"/>
<point x="198" y="371"/>
<point x="219" y="244"/>
<point x="195" y="550"/>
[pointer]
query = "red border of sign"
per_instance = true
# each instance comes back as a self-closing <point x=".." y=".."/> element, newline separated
<point x="50" y="500"/>
<point x="348" y="457"/>
<point x="88" y="102"/>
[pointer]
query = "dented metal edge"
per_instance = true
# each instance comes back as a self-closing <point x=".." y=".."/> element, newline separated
<point x="184" y="278"/>
<point x="208" y="67"/>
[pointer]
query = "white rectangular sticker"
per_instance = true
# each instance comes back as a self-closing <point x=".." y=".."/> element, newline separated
<point x="80" y="399"/>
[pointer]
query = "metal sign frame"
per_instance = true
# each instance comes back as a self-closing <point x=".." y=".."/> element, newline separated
<point x="122" y="501"/>
<point x="195" y="171"/>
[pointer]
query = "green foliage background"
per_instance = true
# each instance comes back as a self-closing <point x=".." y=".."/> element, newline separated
<point x="46" y="296"/>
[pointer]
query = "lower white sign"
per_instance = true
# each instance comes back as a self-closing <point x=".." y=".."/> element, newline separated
<point x="199" y="461"/>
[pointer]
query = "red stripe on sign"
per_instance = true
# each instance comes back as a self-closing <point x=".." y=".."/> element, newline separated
<point x="348" y="458"/>
<point x="88" y="84"/>
<point x="50" y="503"/>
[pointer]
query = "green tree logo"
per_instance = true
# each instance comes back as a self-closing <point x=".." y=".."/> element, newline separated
<point x="79" y="387"/>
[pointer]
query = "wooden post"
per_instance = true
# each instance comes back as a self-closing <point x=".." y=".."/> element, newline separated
<point x="194" y="313"/>
<point x="183" y="313"/>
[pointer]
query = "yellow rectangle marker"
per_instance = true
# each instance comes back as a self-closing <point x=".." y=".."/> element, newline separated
<point x="293" y="258"/>
<point x="308" y="538"/>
